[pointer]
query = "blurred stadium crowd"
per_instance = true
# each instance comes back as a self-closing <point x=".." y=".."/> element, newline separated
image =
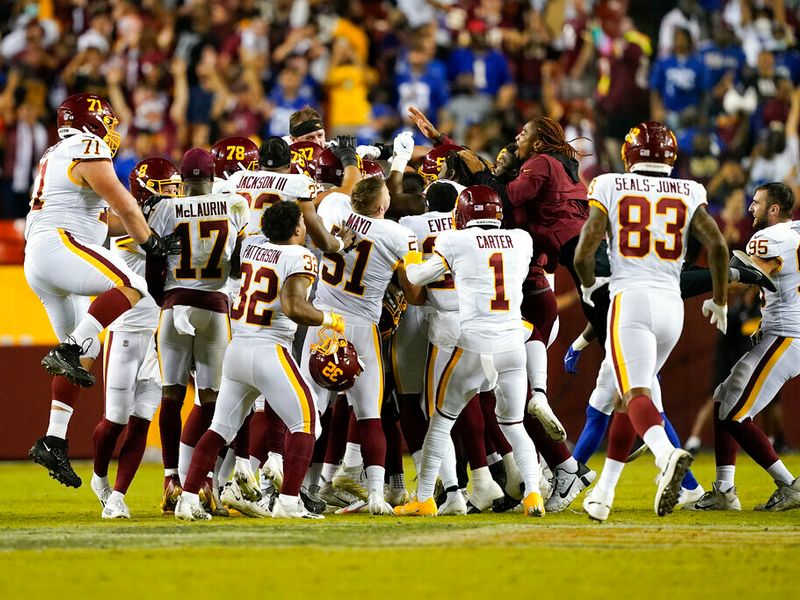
<point x="182" y="73"/>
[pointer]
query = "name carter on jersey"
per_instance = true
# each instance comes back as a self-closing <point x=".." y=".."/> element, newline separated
<point x="202" y="209"/>
<point x="494" y="241"/>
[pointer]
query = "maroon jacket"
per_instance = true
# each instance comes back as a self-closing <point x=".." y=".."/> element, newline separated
<point x="549" y="203"/>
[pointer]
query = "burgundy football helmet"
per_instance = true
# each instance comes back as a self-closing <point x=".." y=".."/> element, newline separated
<point x="478" y="205"/>
<point x="369" y="168"/>
<point x="432" y="163"/>
<point x="155" y="177"/>
<point x="334" y="363"/>
<point x="92" y="114"/>
<point x="394" y="305"/>
<point x="650" y="146"/>
<point x="305" y="156"/>
<point x="233" y="154"/>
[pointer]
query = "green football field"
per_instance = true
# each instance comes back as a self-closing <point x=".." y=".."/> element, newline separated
<point x="53" y="544"/>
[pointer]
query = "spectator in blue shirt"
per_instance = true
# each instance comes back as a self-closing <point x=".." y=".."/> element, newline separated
<point x="721" y="54"/>
<point x="289" y="94"/>
<point x="677" y="81"/>
<point x="487" y="67"/>
<point x="420" y="81"/>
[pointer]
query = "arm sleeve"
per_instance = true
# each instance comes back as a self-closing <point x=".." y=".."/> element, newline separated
<point x="426" y="272"/>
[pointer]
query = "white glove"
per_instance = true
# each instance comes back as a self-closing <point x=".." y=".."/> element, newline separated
<point x="719" y="314"/>
<point x="181" y="319"/>
<point x="586" y="293"/>
<point x="370" y="152"/>
<point x="403" y="145"/>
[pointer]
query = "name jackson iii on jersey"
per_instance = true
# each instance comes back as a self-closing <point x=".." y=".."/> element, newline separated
<point x="60" y="201"/>
<point x="354" y="284"/>
<point x="208" y="226"/>
<point x="648" y="222"/>
<point x="257" y="312"/>
<point x="780" y="314"/>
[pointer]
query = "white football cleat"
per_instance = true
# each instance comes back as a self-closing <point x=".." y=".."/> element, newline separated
<point x="669" y="481"/>
<point x="116" y="508"/>
<point x="786" y="497"/>
<point x="484" y="493"/>
<point x="545" y="481"/>
<point x="233" y="498"/>
<point x="101" y="488"/>
<point x="377" y="505"/>
<point x="249" y="486"/>
<point x="190" y="510"/>
<point x="539" y="407"/>
<point x="396" y="496"/>
<point x="715" y="499"/>
<point x="598" y="504"/>
<point x="294" y="510"/>
<point x="357" y="506"/>
<point x="335" y="497"/>
<point x="690" y="496"/>
<point x="455" y="504"/>
<point x="567" y="486"/>
<point x="273" y="469"/>
<point x="351" y="479"/>
<point x="514" y="483"/>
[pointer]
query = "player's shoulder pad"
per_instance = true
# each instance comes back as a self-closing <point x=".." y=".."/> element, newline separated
<point x="87" y="146"/>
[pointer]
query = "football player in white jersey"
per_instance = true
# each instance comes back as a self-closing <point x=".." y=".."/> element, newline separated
<point x="647" y="217"/>
<point x="66" y="264"/>
<point x="130" y="365"/>
<point x="194" y="326"/>
<point x="354" y="285"/>
<point x="488" y="265"/>
<point x="277" y="277"/>
<point x="775" y="359"/>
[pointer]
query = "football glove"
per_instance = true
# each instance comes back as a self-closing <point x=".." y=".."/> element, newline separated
<point x="414" y="257"/>
<point x="587" y="293"/>
<point x="333" y="320"/>
<point x="718" y="314"/>
<point x="345" y="150"/>
<point x="162" y="246"/>
<point x="571" y="360"/>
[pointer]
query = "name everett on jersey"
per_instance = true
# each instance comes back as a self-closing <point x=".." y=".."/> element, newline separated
<point x="202" y="209"/>
<point x="440" y="224"/>
<point x="659" y="186"/>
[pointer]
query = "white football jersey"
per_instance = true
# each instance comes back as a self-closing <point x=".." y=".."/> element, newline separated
<point x="648" y="226"/>
<point x="489" y="267"/>
<point x="257" y="312"/>
<point x="144" y="315"/>
<point x="262" y="189"/>
<point x="780" y="315"/>
<point x="354" y="283"/>
<point x="60" y="201"/>
<point x="441" y="294"/>
<point x="208" y="227"/>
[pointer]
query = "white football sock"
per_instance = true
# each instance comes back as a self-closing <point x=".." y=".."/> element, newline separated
<point x="659" y="444"/>
<point x="225" y="467"/>
<point x="352" y="455"/>
<point x="88" y="329"/>
<point x="312" y="475"/>
<point x="417" y="458"/>
<point x="493" y="458"/>
<point x="170" y="472"/>
<point x="447" y="470"/>
<point x="612" y="469"/>
<point x="96" y="479"/>
<point x="60" y="414"/>
<point x="375" y="476"/>
<point x="570" y="465"/>
<point x="255" y="464"/>
<point x="433" y="451"/>
<point x="288" y="500"/>
<point x="327" y="471"/>
<point x="397" y="481"/>
<point x="115" y="495"/>
<point x="725" y="477"/>
<point x="537" y="364"/>
<point x="524" y="454"/>
<point x="184" y="461"/>
<point x="779" y="472"/>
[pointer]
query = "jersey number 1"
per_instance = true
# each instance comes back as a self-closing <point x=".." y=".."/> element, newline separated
<point x="496" y="263"/>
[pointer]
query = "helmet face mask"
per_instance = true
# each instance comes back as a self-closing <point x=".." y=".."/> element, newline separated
<point x="234" y="154"/>
<point x="334" y="363"/>
<point x="89" y="113"/>
<point x="432" y="163"/>
<point x="478" y="206"/>
<point x="154" y="178"/>
<point x="649" y="146"/>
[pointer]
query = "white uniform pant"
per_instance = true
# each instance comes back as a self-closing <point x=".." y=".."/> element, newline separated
<point x="408" y="350"/>
<point x="253" y="368"/>
<point x="643" y="328"/>
<point x="205" y="349"/>
<point x="64" y="273"/>
<point x="131" y="378"/>
<point x="758" y="377"/>
<point x="366" y="395"/>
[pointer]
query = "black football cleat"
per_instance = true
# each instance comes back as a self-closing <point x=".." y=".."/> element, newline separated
<point x="505" y="504"/>
<point x="65" y="359"/>
<point x="749" y="273"/>
<point x="51" y="453"/>
<point x="498" y="471"/>
<point x="313" y="505"/>
<point x="638" y="450"/>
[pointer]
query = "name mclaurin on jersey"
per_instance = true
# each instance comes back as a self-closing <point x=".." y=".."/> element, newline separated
<point x="259" y="253"/>
<point x="662" y="186"/>
<point x="202" y="209"/>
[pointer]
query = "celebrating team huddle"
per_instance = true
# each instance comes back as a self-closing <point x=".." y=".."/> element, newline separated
<point x="318" y="308"/>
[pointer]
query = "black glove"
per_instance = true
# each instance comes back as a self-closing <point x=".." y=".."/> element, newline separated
<point x="149" y="204"/>
<point x="158" y="246"/>
<point x="386" y="151"/>
<point x="345" y="150"/>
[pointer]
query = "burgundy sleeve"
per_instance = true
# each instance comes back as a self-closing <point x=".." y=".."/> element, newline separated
<point x="526" y="186"/>
<point x="445" y="139"/>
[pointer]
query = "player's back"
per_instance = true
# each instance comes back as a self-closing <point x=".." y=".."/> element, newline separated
<point x="780" y="314"/>
<point x="354" y="283"/>
<point x="208" y="227"/>
<point x="263" y="188"/>
<point x="489" y="267"/>
<point x="648" y="226"/>
<point x="257" y="312"/>
<point x="441" y="294"/>
<point x="61" y="201"/>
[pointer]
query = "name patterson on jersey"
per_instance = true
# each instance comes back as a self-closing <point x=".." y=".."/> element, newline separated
<point x="259" y="253"/>
<point x="660" y="186"/>
<point x="494" y="241"/>
<point x="218" y="208"/>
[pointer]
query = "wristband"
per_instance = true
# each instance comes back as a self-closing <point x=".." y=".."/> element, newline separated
<point x="399" y="164"/>
<point x="580" y="343"/>
<point x="341" y="245"/>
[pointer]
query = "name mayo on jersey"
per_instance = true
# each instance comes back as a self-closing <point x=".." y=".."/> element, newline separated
<point x="257" y="312"/>
<point x="780" y="314"/>
<point x="648" y="226"/>
<point x="354" y="283"/>
<point x="59" y="200"/>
